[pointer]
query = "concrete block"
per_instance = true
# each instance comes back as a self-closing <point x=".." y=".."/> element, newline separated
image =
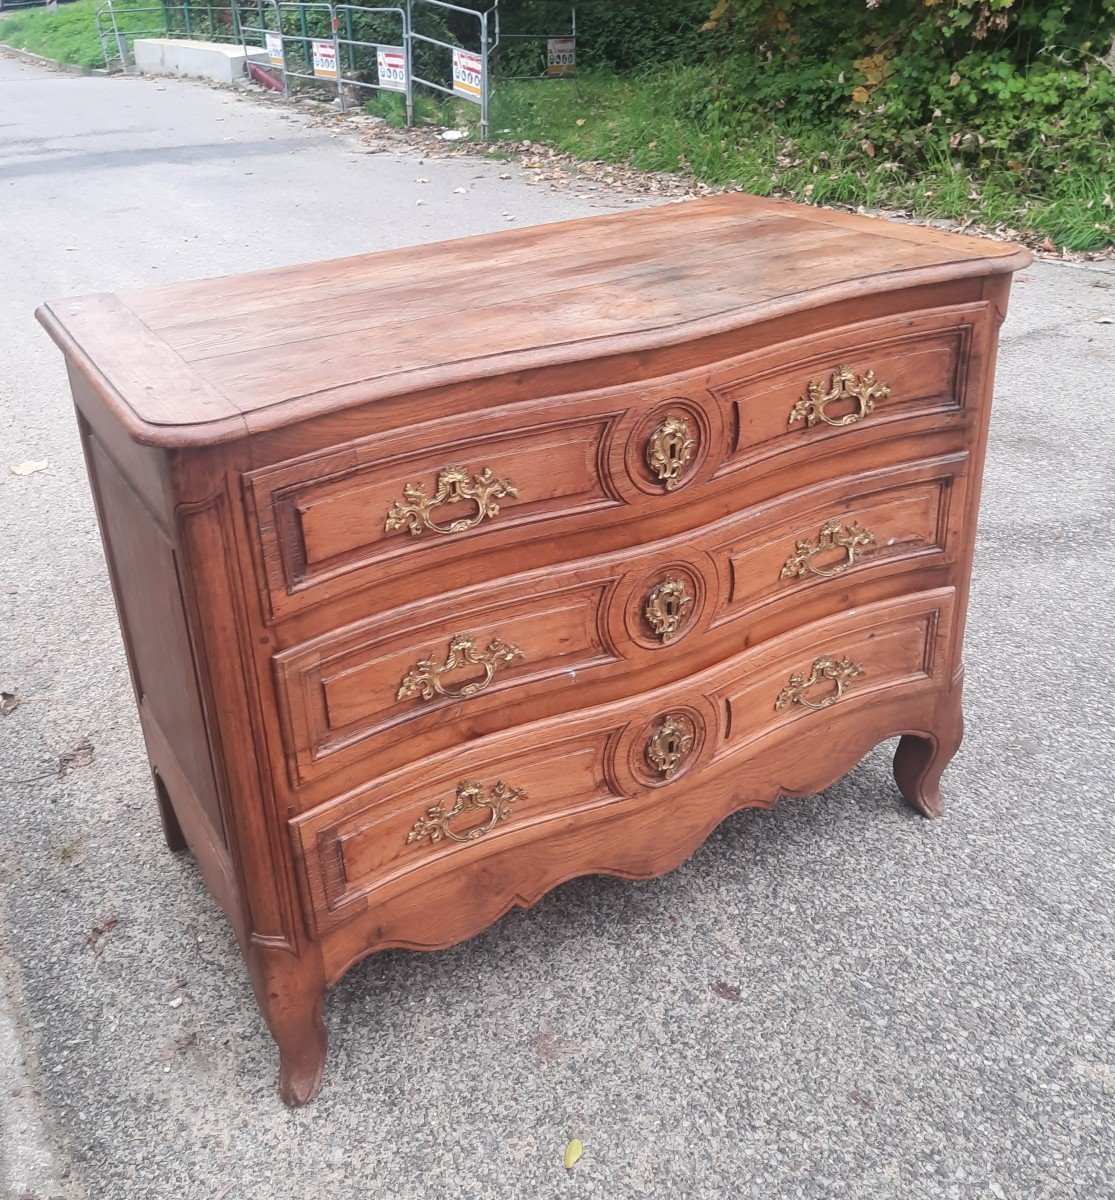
<point x="218" y="61"/>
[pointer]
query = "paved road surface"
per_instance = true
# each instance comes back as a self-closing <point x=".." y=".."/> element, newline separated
<point x="925" y="1009"/>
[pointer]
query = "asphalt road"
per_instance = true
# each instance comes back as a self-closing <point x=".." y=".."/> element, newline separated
<point x="924" y="1009"/>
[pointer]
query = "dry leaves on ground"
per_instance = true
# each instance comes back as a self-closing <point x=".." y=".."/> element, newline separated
<point x="29" y="467"/>
<point x="97" y="935"/>
<point x="80" y="755"/>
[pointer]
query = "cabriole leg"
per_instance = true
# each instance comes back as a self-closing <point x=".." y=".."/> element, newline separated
<point x="290" y="993"/>
<point x="920" y="761"/>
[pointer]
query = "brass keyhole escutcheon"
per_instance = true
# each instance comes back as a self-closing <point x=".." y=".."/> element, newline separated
<point x="669" y="743"/>
<point x="665" y="607"/>
<point x="669" y="450"/>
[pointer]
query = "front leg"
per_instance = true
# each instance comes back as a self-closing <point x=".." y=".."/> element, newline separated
<point x="921" y="759"/>
<point x="290" y="992"/>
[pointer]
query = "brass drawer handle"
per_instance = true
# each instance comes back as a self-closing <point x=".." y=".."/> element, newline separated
<point x="665" y="607"/>
<point x="669" y="449"/>
<point x="424" y="678"/>
<point x="668" y="745"/>
<point x="434" y="824"/>
<point x="834" y="535"/>
<point x="839" y="671"/>
<point x="844" y="384"/>
<point x="453" y="485"/>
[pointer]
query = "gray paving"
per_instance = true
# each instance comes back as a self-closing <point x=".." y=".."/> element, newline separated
<point x="925" y="1009"/>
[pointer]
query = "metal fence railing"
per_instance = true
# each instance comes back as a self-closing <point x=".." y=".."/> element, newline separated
<point x="537" y="55"/>
<point x="449" y="48"/>
<point x="469" y="72"/>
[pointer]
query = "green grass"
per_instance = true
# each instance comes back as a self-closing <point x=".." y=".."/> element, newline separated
<point x="70" y="34"/>
<point x="392" y="107"/>
<point x="636" y="121"/>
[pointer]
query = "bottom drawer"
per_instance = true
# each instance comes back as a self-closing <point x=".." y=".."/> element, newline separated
<point x="520" y="787"/>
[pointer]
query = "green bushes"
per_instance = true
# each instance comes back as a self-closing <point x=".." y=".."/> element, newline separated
<point x="996" y="110"/>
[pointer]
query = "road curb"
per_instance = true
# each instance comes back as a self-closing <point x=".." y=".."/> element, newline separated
<point x="39" y="60"/>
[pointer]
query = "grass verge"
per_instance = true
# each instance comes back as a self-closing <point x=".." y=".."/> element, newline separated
<point x="70" y="34"/>
<point x="636" y="121"/>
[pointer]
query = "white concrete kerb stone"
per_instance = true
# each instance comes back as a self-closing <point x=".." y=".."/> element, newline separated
<point x="217" y="61"/>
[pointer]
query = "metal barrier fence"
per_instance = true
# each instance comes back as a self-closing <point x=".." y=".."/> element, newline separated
<point x="557" y="57"/>
<point x="331" y="43"/>
<point x="392" y="61"/>
<point x="469" y="70"/>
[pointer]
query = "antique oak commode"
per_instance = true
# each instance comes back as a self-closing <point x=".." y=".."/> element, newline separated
<point x="451" y="573"/>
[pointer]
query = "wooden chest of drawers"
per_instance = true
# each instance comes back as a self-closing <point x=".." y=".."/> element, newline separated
<point x="452" y="573"/>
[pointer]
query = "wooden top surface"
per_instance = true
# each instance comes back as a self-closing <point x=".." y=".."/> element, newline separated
<point x="208" y="361"/>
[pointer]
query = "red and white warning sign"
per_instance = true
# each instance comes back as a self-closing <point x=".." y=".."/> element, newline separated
<point x="468" y="73"/>
<point x="325" y="60"/>
<point x="392" y="66"/>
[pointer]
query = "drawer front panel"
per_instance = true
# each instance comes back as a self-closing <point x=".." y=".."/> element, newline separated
<point x="537" y="639"/>
<point x="514" y="788"/>
<point x="420" y="500"/>
<point x="849" y="382"/>
<point x="352" y="510"/>
<point x="895" y="519"/>
<point x="347" y="691"/>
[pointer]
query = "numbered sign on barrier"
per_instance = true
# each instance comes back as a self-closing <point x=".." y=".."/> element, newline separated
<point x="325" y="60"/>
<point x="561" y="56"/>
<point x="468" y="73"/>
<point x="274" y="44"/>
<point x="392" y="67"/>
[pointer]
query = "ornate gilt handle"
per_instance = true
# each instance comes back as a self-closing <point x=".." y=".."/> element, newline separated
<point x="433" y="825"/>
<point x="669" y="449"/>
<point x="424" y="678"/>
<point x="839" y="671"/>
<point x="413" y="512"/>
<point x="834" y="535"/>
<point x="844" y="384"/>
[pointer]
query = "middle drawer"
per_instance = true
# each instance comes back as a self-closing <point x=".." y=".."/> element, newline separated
<point x="490" y="656"/>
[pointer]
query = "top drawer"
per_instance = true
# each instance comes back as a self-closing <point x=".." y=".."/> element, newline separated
<point x="420" y="497"/>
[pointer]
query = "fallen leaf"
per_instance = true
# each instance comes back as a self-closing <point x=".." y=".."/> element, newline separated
<point x="859" y="95"/>
<point x="453" y="135"/>
<point x="80" y="755"/>
<point x="726" y="991"/>
<point x="954" y="79"/>
<point x="1047" y="244"/>
<point x="99" y="933"/>
<point x="573" y="1152"/>
<point x="580" y="122"/>
<point x="9" y="702"/>
<point x="29" y="468"/>
<point x="869" y="149"/>
<point x="179" y="1046"/>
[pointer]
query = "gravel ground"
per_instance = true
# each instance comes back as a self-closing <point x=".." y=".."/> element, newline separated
<point x="836" y="999"/>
